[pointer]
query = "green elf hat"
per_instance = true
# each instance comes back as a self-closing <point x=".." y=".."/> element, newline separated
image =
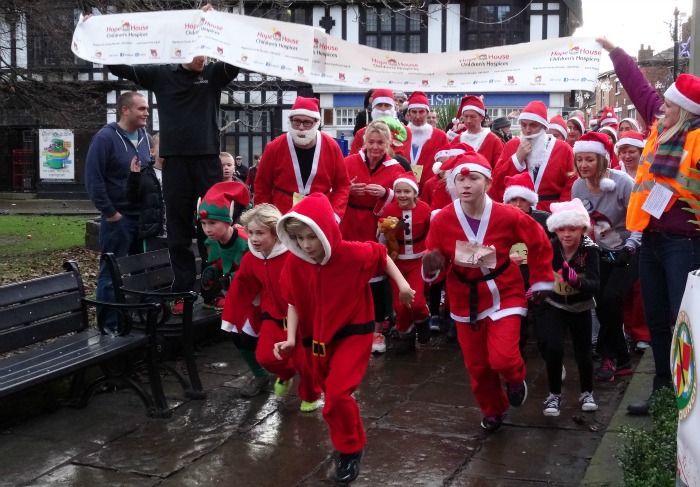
<point x="219" y="201"/>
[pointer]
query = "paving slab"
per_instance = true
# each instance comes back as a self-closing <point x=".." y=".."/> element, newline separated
<point x="85" y="476"/>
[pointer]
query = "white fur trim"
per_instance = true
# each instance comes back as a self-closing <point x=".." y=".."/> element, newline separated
<point x="559" y="129"/>
<point x="579" y="123"/>
<point x="520" y="192"/>
<point x="629" y="141"/>
<point x="478" y="110"/>
<point x="448" y="153"/>
<point x="533" y="117"/>
<point x="568" y="218"/>
<point x="291" y="244"/>
<point x="472" y="168"/>
<point x="407" y="181"/>
<point x="278" y="249"/>
<point x="608" y="121"/>
<point x="303" y="111"/>
<point x="590" y="146"/>
<point x="681" y="100"/>
<point x="436" y="167"/>
<point x="607" y="185"/>
<point x="382" y="99"/>
<point x="419" y="105"/>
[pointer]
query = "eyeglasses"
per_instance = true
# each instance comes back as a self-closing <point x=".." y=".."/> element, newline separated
<point x="307" y="124"/>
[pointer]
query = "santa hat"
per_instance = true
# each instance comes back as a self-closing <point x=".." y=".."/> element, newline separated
<point x="471" y="102"/>
<point x="306" y="106"/>
<point x="219" y="202"/>
<point x="632" y="138"/>
<point x="558" y="123"/>
<point x="382" y="95"/>
<point x="418" y="99"/>
<point x="535" y="111"/>
<point x="464" y="164"/>
<point x="568" y="214"/>
<point x="593" y="123"/>
<point x="450" y="150"/>
<point x="633" y="122"/>
<point x="597" y="143"/>
<point x="409" y="178"/>
<point x="608" y="117"/>
<point x="685" y="93"/>
<point x="520" y="186"/>
<point x="579" y="122"/>
<point x="609" y="130"/>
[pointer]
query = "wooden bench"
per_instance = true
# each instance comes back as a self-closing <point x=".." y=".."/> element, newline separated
<point x="148" y="277"/>
<point x="45" y="322"/>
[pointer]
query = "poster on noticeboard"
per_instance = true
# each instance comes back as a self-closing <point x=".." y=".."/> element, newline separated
<point x="56" y="154"/>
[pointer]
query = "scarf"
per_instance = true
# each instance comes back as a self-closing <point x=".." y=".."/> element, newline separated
<point x="669" y="154"/>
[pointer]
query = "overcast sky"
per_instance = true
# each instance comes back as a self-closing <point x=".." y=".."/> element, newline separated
<point x="630" y="23"/>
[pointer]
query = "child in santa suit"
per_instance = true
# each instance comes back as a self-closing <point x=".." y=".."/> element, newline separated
<point x="226" y="245"/>
<point x="468" y="245"/>
<point x="414" y="222"/>
<point x="326" y="283"/>
<point x="257" y="279"/>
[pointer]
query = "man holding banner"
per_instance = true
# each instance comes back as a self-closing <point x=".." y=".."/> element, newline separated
<point x="426" y="140"/>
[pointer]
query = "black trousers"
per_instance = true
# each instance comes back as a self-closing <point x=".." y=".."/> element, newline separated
<point x="551" y="325"/>
<point x="185" y="180"/>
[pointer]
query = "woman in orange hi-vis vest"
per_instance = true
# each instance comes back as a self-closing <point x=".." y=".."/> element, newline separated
<point x="665" y="187"/>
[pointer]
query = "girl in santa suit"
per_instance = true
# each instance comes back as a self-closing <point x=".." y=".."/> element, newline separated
<point x="414" y="221"/>
<point x="372" y="173"/>
<point x="468" y="245"/>
<point x="258" y="280"/>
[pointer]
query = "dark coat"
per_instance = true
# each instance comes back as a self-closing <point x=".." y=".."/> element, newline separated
<point x="143" y="189"/>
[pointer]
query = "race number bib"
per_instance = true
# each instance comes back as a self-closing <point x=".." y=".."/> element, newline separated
<point x="521" y="250"/>
<point x="417" y="171"/>
<point x="468" y="254"/>
<point x="657" y="201"/>
<point x="297" y="197"/>
<point x="564" y="288"/>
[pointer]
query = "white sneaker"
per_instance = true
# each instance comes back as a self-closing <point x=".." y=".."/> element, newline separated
<point x="587" y="402"/>
<point x="642" y="346"/>
<point x="563" y="372"/>
<point x="378" y="344"/>
<point x="552" y="405"/>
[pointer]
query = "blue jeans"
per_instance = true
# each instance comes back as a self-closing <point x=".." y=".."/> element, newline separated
<point x="664" y="263"/>
<point x="120" y="238"/>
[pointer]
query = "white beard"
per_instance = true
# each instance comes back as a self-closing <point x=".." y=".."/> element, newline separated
<point x="304" y="137"/>
<point x="377" y="114"/>
<point x="539" y="143"/>
<point x="420" y="134"/>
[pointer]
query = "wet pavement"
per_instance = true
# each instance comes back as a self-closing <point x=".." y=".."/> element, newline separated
<point x="421" y="419"/>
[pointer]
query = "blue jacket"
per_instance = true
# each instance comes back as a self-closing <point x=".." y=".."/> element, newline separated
<point x="108" y="165"/>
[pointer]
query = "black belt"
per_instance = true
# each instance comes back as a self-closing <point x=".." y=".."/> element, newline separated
<point x="275" y="188"/>
<point x="359" y="207"/>
<point x="319" y="348"/>
<point x="549" y="197"/>
<point x="411" y="241"/>
<point x="282" y="323"/>
<point x="473" y="289"/>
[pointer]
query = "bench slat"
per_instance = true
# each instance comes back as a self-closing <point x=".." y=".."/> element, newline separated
<point x="153" y="280"/>
<point x="37" y="288"/>
<point x="138" y="262"/>
<point x="38" y="332"/>
<point x="33" y="311"/>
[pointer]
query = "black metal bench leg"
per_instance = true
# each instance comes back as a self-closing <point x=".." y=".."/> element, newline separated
<point x="195" y="391"/>
<point x="160" y="409"/>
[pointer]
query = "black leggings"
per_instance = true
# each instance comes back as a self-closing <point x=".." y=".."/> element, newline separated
<point x="381" y="294"/>
<point x="550" y="326"/>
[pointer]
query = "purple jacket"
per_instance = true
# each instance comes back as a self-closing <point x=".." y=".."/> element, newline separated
<point x="643" y="95"/>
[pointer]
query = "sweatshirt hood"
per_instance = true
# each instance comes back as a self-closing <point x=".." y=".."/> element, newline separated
<point x="277" y="250"/>
<point x="315" y="211"/>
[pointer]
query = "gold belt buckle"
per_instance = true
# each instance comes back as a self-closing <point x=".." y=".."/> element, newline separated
<point x="318" y="348"/>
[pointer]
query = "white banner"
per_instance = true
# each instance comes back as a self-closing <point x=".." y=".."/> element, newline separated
<point x="685" y="381"/>
<point x="56" y="154"/>
<point x="303" y="53"/>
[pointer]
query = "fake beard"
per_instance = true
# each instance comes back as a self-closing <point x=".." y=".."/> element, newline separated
<point x="539" y="143"/>
<point x="304" y="137"/>
<point x="420" y="135"/>
<point x="377" y="114"/>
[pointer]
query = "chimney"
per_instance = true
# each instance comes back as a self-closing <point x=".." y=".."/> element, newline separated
<point x="645" y="54"/>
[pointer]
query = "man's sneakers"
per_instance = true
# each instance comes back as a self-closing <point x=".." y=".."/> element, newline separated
<point x="517" y="393"/>
<point x="178" y="307"/>
<point x="641" y="346"/>
<point x="423" y="331"/>
<point x="255" y="386"/>
<point x="435" y="322"/>
<point x="348" y="467"/>
<point x="492" y="423"/>
<point x="450" y="329"/>
<point x="307" y="407"/>
<point x="378" y="343"/>
<point x="587" y="402"/>
<point x="281" y="387"/>
<point x="552" y="405"/>
<point x="606" y="371"/>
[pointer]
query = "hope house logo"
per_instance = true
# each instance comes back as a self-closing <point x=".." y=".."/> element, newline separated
<point x="126" y="26"/>
<point x="683" y="365"/>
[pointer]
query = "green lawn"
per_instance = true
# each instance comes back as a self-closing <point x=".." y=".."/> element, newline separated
<point x="48" y="234"/>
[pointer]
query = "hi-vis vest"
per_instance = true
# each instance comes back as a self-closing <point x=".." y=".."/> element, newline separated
<point x="638" y="219"/>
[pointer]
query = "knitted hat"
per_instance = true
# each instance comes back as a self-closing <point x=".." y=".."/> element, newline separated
<point x="520" y="186"/>
<point x="685" y="93"/>
<point x="471" y="102"/>
<point x="568" y="214"/>
<point x="579" y="123"/>
<point x="632" y="138"/>
<point x="450" y="150"/>
<point x="608" y="117"/>
<point x="598" y="143"/>
<point x="633" y="122"/>
<point x="306" y="106"/>
<point x="418" y="99"/>
<point x="500" y="123"/>
<point x="558" y="123"/>
<point x="382" y="96"/>
<point x="535" y="111"/>
<point x="409" y="178"/>
<point x="219" y="201"/>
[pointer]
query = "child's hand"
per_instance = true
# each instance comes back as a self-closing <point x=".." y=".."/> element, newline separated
<point x="283" y="348"/>
<point x="135" y="165"/>
<point x="433" y="262"/>
<point x="569" y="275"/>
<point x="516" y="258"/>
<point x="406" y="296"/>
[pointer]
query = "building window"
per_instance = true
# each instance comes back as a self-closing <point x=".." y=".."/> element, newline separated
<point x="618" y="87"/>
<point x="493" y="24"/>
<point x="632" y="113"/>
<point x="345" y="117"/>
<point x="391" y="30"/>
<point x="291" y="13"/>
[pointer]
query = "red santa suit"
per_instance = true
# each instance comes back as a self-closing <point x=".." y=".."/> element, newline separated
<point x="424" y="154"/>
<point x="435" y="193"/>
<point x="488" y="323"/>
<point x="485" y="143"/>
<point x="555" y="175"/>
<point x="414" y="226"/>
<point x="258" y="281"/>
<point x="336" y="317"/>
<point x="279" y="177"/>
<point x="403" y="150"/>
<point x="360" y="221"/>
